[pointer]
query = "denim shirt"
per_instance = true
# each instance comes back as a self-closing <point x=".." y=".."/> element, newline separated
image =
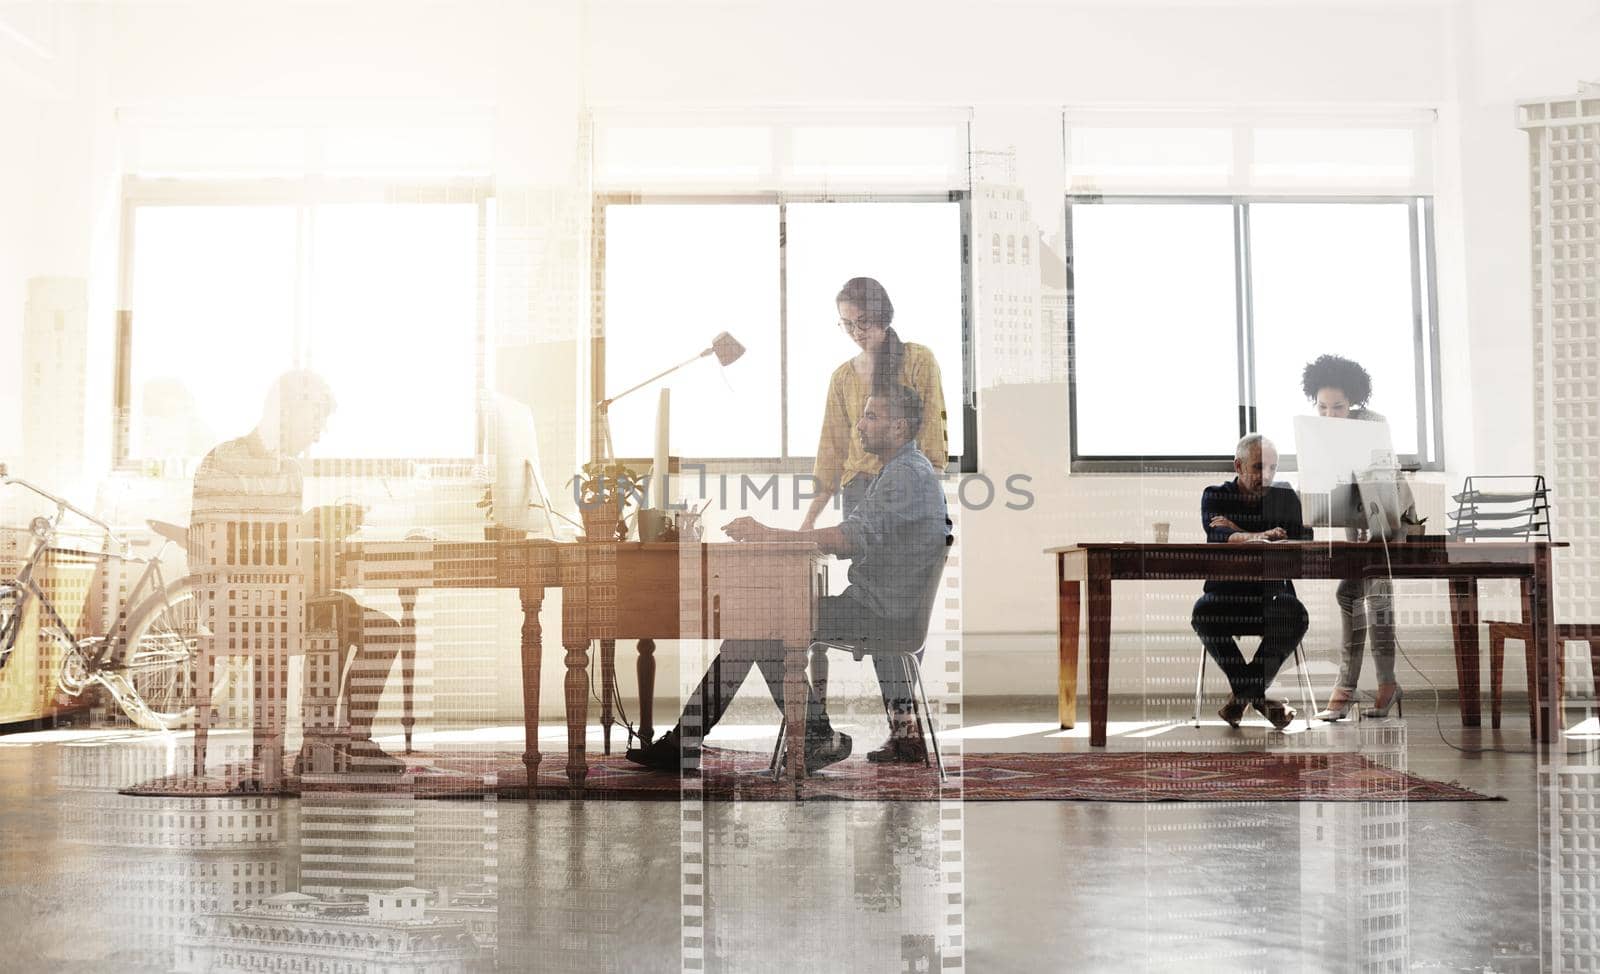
<point x="898" y="536"/>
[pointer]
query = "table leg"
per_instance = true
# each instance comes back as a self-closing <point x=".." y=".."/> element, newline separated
<point x="1067" y="618"/>
<point x="532" y="599"/>
<point x="819" y="674"/>
<point x="1547" y="652"/>
<point x="1497" y="670"/>
<point x="408" y="662"/>
<point x="794" y="711"/>
<point x="1464" y="627"/>
<point x="1530" y="658"/>
<point x="271" y="674"/>
<point x="608" y="688"/>
<point x="1099" y="593"/>
<point x="645" y="668"/>
<point x="202" y="707"/>
<point x="577" y="687"/>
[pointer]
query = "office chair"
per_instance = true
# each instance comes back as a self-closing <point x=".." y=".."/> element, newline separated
<point x="904" y="650"/>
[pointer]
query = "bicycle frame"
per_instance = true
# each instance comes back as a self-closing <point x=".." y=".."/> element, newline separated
<point x="150" y="582"/>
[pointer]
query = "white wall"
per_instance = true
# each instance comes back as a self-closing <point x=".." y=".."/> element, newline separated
<point x="46" y="201"/>
<point x="540" y="65"/>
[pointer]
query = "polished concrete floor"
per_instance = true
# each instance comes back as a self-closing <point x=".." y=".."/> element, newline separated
<point x="94" y="881"/>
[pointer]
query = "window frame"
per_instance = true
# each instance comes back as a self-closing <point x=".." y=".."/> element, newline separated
<point x="1429" y="403"/>
<point x="301" y="193"/>
<point x="788" y="463"/>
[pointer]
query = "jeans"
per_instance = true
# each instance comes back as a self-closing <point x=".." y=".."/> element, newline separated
<point x="1279" y="619"/>
<point x="846" y="621"/>
<point x="840" y="619"/>
<point x="1366" y="605"/>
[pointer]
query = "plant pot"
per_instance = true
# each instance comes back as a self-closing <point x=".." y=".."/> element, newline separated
<point x="600" y="520"/>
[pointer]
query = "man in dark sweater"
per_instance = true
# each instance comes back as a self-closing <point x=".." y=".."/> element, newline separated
<point x="1250" y="508"/>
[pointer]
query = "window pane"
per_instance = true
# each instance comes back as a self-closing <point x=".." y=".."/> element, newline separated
<point x="914" y="251"/>
<point x="213" y="312"/>
<point x="1155" y="329"/>
<point x="675" y="276"/>
<point x="393" y="327"/>
<point x="1333" y="278"/>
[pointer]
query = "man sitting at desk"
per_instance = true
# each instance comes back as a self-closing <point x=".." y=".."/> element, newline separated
<point x="249" y="488"/>
<point x="896" y="539"/>
<point x="1251" y="508"/>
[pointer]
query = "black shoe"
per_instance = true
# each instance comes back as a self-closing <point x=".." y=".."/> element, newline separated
<point x="1280" y="714"/>
<point x="1232" y="712"/>
<point x="364" y="755"/>
<point x="358" y="756"/>
<point x="829" y="748"/>
<point x="664" y="754"/>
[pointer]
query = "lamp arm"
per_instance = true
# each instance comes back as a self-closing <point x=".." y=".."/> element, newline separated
<point x="605" y="404"/>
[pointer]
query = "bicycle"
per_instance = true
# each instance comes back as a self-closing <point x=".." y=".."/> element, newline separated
<point x="147" y="660"/>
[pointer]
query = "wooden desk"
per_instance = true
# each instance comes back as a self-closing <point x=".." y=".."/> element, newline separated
<point x="1084" y="573"/>
<point x="621" y="591"/>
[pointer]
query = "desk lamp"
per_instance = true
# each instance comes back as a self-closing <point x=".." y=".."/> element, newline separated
<point x="725" y="347"/>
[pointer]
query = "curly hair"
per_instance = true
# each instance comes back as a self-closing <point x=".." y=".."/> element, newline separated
<point x="1338" y="373"/>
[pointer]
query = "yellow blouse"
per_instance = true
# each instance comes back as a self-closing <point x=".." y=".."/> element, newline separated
<point x="840" y="457"/>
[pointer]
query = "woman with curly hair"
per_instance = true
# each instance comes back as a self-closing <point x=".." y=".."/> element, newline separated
<point x="1340" y="389"/>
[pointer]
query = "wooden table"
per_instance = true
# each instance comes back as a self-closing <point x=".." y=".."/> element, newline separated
<point x="1084" y="573"/>
<point x="614" y="591"/>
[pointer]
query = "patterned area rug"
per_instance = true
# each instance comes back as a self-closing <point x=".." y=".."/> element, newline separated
<point x="740" y="775"/>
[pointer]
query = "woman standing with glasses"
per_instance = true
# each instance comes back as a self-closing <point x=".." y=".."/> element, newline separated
<point x="843" y="466"/>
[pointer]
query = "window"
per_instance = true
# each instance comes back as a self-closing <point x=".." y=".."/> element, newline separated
<point x="1250" y="290"/>
<point x="232" y="283"/>
<point x="766" y="269"/>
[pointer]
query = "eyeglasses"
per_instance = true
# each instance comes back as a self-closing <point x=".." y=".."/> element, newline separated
<point x="856" y="327"/>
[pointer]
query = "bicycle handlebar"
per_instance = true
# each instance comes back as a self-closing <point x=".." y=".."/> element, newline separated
<point x="66" y="505"/>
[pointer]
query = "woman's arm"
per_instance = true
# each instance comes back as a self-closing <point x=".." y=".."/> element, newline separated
<point x="833" y="446"/>
<point x="831" y="540"/>
<point x="818" y="503"/>
<point x="932" y="439"/>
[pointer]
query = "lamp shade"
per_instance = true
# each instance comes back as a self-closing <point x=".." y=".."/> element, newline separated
<point x="726" y="348"/>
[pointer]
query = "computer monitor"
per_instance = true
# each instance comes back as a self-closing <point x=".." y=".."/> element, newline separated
<point x="521" y="501"/>
<point x="1348" y="474"/>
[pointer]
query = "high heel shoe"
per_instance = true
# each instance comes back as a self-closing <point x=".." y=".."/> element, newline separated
<point x="1394" y="701"/>
<point x="1337" y="711"/>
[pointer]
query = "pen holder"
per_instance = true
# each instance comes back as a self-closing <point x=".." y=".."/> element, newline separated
<point x="688" y="525"/>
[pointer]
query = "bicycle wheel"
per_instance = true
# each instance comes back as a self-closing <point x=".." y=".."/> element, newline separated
<point x="10" y="618"/>
<point x="156" y="685"/>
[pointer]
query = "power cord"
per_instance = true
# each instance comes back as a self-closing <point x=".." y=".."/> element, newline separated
<point x="621" y="712"/>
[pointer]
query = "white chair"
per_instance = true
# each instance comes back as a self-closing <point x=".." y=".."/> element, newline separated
<point x="904" y="650"/>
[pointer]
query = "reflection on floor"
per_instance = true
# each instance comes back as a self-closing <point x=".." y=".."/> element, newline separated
<point x="343" y="880"/>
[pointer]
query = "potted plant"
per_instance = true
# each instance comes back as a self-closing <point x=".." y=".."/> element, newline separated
<point x="604" y="490"/>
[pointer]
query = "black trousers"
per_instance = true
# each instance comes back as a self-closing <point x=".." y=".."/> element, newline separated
<point x="1280" y="620"/>
<point x="840" y="619"/>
